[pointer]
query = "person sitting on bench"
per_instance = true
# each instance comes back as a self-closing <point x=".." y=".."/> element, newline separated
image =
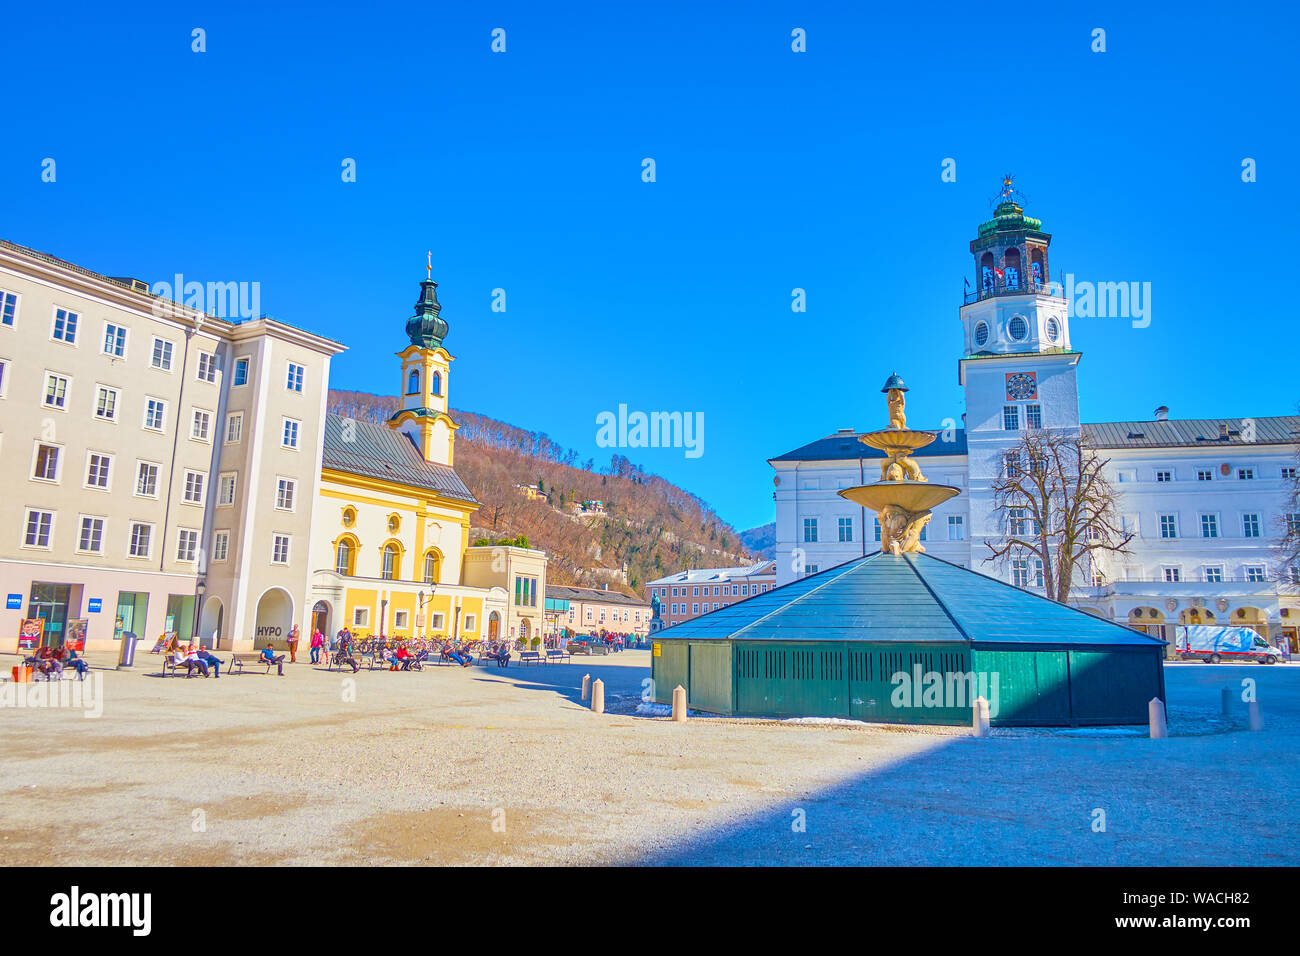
<point x="191" y="659"/>
<point x="206" y="657"/>
<point x="344" y="653"/>
<point x="48" y="663"/>
<point x="268" y="655"/>
<point x="453" y="653"/>
<point x="499" y="653"/>
<point x="402" y="659"/>
<point x="72" y="660"/>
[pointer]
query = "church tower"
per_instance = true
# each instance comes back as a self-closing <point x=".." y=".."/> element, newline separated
<point x="426" y="368"/>
<point x="1018" y="368"/>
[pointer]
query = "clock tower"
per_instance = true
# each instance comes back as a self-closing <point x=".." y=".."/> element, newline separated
<point x="1018" y="368"/>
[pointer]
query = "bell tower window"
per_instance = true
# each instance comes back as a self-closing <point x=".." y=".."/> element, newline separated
<point x="986" y="273"/>
<point x="435" y="384"/>
<point x="413" y="382"/>
<point x="1011" y="272"/>
<point x="1038" y="268"/>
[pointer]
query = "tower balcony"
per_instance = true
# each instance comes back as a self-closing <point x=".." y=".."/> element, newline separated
<point x="1021" y="285"/>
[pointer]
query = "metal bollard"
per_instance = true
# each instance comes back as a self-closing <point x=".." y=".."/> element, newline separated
<point x="1225" y="698"/>
<point x="1256" y="715"/>
<point x="679" y="704"/>
<point x="1156" y="718"/>
<point x="586" y="686"/>
<point x="980" y="718"/>
<point x="598" y="696"/>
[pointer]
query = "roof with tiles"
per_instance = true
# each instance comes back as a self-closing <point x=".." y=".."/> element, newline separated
<point x="717" y="575"/>
<point x="596" y="595"/>
<point x="378" y="451"/>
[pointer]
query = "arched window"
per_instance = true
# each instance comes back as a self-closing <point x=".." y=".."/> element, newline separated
<point x="435" y="386"/>
<point x="432" y="567"/>
<point x="389" y="572"/>
<point x="986" y="272"/>
<point x="1011" y="273"/>
<point x="343" y="562"/>
<point x="413" y="382"/>
<point x="1038" y="268"/>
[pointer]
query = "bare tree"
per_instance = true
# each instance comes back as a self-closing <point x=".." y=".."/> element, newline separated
<point x="1052" y="501"/>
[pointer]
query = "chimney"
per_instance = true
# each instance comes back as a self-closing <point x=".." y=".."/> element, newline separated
<point x="1162" y="413"/>
<point x="1223" y="430"/>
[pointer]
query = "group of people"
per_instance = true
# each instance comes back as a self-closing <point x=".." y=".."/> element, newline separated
<point x="49" y="662"/>
<point x="192" y="657"/>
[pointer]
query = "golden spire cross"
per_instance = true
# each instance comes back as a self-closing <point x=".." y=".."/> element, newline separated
<point x="429" y="267"/>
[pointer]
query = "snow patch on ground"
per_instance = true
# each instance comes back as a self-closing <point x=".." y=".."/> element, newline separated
<point x="836" y="721"/>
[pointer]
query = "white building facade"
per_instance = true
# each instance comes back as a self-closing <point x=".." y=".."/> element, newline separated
<point x="1207" y="500"/>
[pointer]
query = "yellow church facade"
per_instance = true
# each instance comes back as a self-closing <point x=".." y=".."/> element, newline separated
<point x="391" y="524"/>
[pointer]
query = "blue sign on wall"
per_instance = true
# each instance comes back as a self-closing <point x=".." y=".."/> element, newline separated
<point x="14" y="603"/>
<point x="96" y="605"/>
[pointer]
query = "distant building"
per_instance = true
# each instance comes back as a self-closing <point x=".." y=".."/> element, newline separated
<point x="688" y="594"/>
<point x="592" y="610"/>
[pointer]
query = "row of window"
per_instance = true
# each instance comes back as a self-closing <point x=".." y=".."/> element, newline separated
<point x="615" y="616"/>
<point x="844" y="526"/>
<point x="390" y="564"/>
<point x="66" y="326"/>
<point x="1209" y="524"/>
<point x="1167" y="475"/>
<point x="38" y="532"/>
<point x="402" y="620"/>
<point x="736" y="590"/>
<point x="1032" y="418"/>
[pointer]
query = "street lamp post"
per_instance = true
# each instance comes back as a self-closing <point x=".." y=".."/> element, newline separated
<point x="199" y="587"/>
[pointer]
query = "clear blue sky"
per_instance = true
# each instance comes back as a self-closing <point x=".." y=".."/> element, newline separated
<point x="775" y="170"/>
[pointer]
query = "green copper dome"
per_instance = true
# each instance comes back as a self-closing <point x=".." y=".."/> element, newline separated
<point x="894" y="381"/>
<point x="426" y="329"/>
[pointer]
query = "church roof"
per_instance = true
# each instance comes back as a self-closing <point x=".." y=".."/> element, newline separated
<point x="1194" y="432"/>
<point x="908" y="598"/>
<point x="378" y="451"/>
<point x="844" y="446"/>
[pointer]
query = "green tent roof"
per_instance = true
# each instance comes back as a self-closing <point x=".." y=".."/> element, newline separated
<point x="911" y="598"/>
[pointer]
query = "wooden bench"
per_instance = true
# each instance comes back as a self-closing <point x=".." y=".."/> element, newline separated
<point x="239" y="661"/>
<point x="530" y="657"/>
<point x="556" y="655"/>
<point x="171" y="666"/>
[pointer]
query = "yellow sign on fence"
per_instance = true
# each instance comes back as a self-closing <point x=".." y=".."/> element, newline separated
<point x="657" y="646"/>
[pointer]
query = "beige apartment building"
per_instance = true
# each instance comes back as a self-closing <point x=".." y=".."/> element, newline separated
<point x="521" y="572"/>
<point x="593" y="610"/>
<point x="160" y="464"/>
<point x="688" y="594"/>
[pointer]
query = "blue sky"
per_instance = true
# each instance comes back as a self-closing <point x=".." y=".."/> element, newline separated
<point x="775" y="170"/>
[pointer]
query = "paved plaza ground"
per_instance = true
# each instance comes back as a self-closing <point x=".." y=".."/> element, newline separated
<point x="489" y="766"/>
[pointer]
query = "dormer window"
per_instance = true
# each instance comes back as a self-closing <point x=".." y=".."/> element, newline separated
<point x="413" y="382"/>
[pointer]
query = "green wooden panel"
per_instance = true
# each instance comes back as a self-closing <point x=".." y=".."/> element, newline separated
<point x="669" y="669"/>
<point x="1025" y="687"/>
<point x="710" y="673"/>
<point x="909" y="684"/>
<point x="1114" y="687"/>
<point x="791" y="680"/>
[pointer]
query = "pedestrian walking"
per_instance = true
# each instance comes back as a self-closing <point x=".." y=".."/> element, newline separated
<point x="293" y="644"/>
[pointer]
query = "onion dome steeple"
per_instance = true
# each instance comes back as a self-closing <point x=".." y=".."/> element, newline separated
<point x="426" y="329"/>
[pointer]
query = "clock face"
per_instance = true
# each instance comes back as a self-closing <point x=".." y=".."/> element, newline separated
<point x="1022" y="385"/>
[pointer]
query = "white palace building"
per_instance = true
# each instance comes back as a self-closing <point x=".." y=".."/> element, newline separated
<point x="1206" y="499"/>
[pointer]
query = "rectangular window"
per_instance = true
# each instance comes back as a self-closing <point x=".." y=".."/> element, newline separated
<point x="1011" y="464"/>
<point x="471" y="622"/>
<point x="200" y="424"/>
<point x="234" y="428"/>
<point x="56" y="391"/>
<point x="436" y="621"/>
<point x="39" y="526"/>
<point x="1214" y="574"/>
<point x="876" y="529"/>
<point x="289" y="434"/>
<point x="1168" y="526"/>
<point x="293" y="381"/>
<point x="1255" y="573"/>
<point x="155" y="413"/>
<point x="400" y="619"/>
<point x="1204" y="474"/>
<point x="956" y="531"/>
<point x="241" y="372"/>
<point x="162" y="354"/>
<point x="846" y="529"/>
<point x="193" y="493"/>
<point x="187" y="544"/>
<point x="1011" y="418"/>
<point x="4" y="367"/>
<point x="1020" y="572"/>
<point x="1293" y="523"/>
<point x="695" y="608"/>
<point x="146" y="480"/>
<point x="1033" y="416"/>
<point x="284" y="494"/>
<point x="1164" y="476"/>
<point x="114" y="340"/>
<point x="1172" y="575"/>
<point x="220" y="545"/>
<point x="226" y="489"/>
<point x="141" y="535"/>
<point x="1017" y="523"/>
<point x="207" y="369"/>
<point x="46" y="466"/>
<point x="8" y="306"/>
<point x="1250" y="526"/>
<point x="106" y="404"/>
<point x="91" y="539"/>
<point x="1209" y="526"/>
<point x="1289" y="474"/>
<point x="65" y="326"/>
<point x="361" y="617"/>
<point x="280" y="549"/>
<point x="810" y="530"/>
<point x="1245" y="474"/>
<point x="97" y="467"/>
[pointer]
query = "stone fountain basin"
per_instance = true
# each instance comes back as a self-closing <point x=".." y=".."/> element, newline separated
<point x="912" y="495"/>
<point x="898" y="439"/>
